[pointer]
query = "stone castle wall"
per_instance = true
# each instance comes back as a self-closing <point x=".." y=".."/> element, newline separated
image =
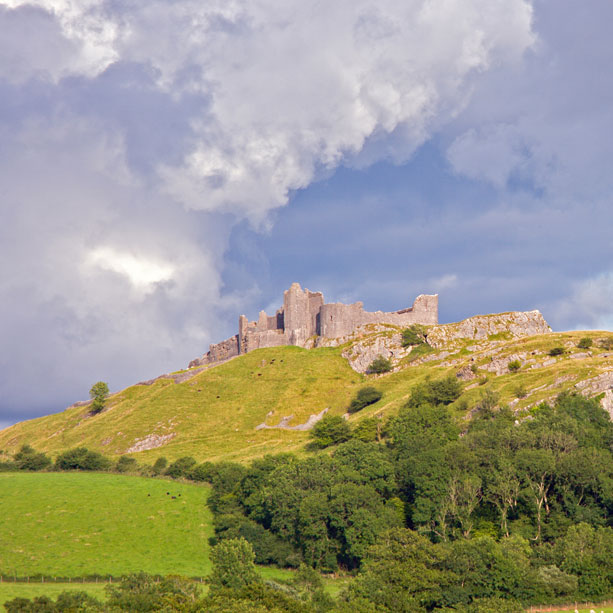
<point x="305" y="315"/>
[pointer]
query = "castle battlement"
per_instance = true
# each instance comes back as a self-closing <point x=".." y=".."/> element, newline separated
<point x="305" y="315"/>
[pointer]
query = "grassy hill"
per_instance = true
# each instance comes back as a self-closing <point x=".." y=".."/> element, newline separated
<point x="214" y="414"/>
<point x="67" y="525"/>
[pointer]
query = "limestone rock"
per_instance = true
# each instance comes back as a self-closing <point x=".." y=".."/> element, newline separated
<point x="361" y="354"/>
<point x="481" y="327"/>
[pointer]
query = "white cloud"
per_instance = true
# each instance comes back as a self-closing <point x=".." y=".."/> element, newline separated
<point x="590" y="304"/>
<point x="295" y="88"/>
<point x="115" y="112"/>
<point x="144" y="273"/>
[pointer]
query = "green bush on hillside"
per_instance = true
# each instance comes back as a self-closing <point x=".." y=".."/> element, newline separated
<point x="440" y="391"/>
<point x="555" y="351"/>
<point x="414" y="335"/>
<point x="181" y="467"/>
<point x="126" y="464"/>
<point x="585" y="343"/>
<point x="514" y="365"/>
<point x="330" y="430"/>
<point x="365" y="397"/>
<point x="379" y="366"/>
<point x="82" y="458"/>
<point x="29" y="459"/>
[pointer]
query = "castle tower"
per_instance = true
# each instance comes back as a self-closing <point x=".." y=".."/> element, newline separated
<point x="301" y="313"/>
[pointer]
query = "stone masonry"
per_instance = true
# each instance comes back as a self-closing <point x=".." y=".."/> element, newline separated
<point x="305" y="316"/>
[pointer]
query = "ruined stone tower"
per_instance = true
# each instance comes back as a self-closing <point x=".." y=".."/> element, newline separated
<point x="305" y="316"/>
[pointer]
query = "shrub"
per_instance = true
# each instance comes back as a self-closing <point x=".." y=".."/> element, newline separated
<point x="414" y="335"/>
<point x="379" y="365"/>
<point x="159" y="465"/>
<point x="520" y="391"/>
<point x="556" y="351"/>
<point x="365" y="396"/>
<point x="514" y="365"/>
<point x="331" y="430"/>
<point x="126" y="464"/>
<point x="441" y="391"/>
<point x="585" y="343"/>
<point x="29" y="459"/>
<point x="82" y="458"/>
<point x="489" y="399"/>
<point x="367" y="430"/>
<point x="181" y="467"/>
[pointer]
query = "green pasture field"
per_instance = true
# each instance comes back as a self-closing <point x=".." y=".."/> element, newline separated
<point x="79" y="524"/>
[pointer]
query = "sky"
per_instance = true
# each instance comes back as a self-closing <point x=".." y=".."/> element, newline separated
<point x="168" y="165"/>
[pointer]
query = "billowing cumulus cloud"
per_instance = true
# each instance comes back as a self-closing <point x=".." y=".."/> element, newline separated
<point x="135" y="135"/>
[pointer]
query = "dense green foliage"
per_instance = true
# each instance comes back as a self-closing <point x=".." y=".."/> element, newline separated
<point x="507" y="513"/>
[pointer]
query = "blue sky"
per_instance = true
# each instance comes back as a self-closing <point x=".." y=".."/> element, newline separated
<point x="166" y="166"/>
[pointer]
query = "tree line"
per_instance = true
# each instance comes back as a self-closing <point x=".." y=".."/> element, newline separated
<point x="429" y="515"/>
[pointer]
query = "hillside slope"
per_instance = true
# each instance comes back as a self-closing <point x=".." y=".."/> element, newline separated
<point x="214" y="413"/>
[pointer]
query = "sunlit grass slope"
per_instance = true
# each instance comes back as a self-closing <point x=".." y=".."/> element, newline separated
<point x="213" y="415"/>
<point x="67" y="524"/>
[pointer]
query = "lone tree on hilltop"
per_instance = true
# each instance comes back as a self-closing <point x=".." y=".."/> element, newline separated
<point x="98" y="393"/>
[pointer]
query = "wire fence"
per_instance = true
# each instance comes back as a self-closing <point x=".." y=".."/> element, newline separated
<point x="82" y="579"/>
<point x="576" y="606"/>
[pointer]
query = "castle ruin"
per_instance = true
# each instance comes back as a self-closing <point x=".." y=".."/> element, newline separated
<point x="305" y="317"/>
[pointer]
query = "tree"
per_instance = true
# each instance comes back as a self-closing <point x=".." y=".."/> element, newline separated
<point x="98" y="393"/>
<point x="414" y="335"/>
<point x="233" y="565"/>
<point x="331" y="430"/>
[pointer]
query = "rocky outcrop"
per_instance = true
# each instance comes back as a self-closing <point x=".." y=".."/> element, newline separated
<point x="368" y="342"/>
<point x="285" y="421"/>
<point x="361" y="353"/>
<point x="482" y="327"/>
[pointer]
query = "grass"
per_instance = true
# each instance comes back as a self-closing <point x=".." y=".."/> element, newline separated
<point x="8" y="591"/>
<point x="213" y="416"/>
<point x="71" y="525"/>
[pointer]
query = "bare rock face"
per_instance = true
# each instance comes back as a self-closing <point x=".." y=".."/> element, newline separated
<point x="481" y="327"/>
<point x="596" y="385"/>
<point x="607" y="403"/>
<point x="361" y="354"/>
